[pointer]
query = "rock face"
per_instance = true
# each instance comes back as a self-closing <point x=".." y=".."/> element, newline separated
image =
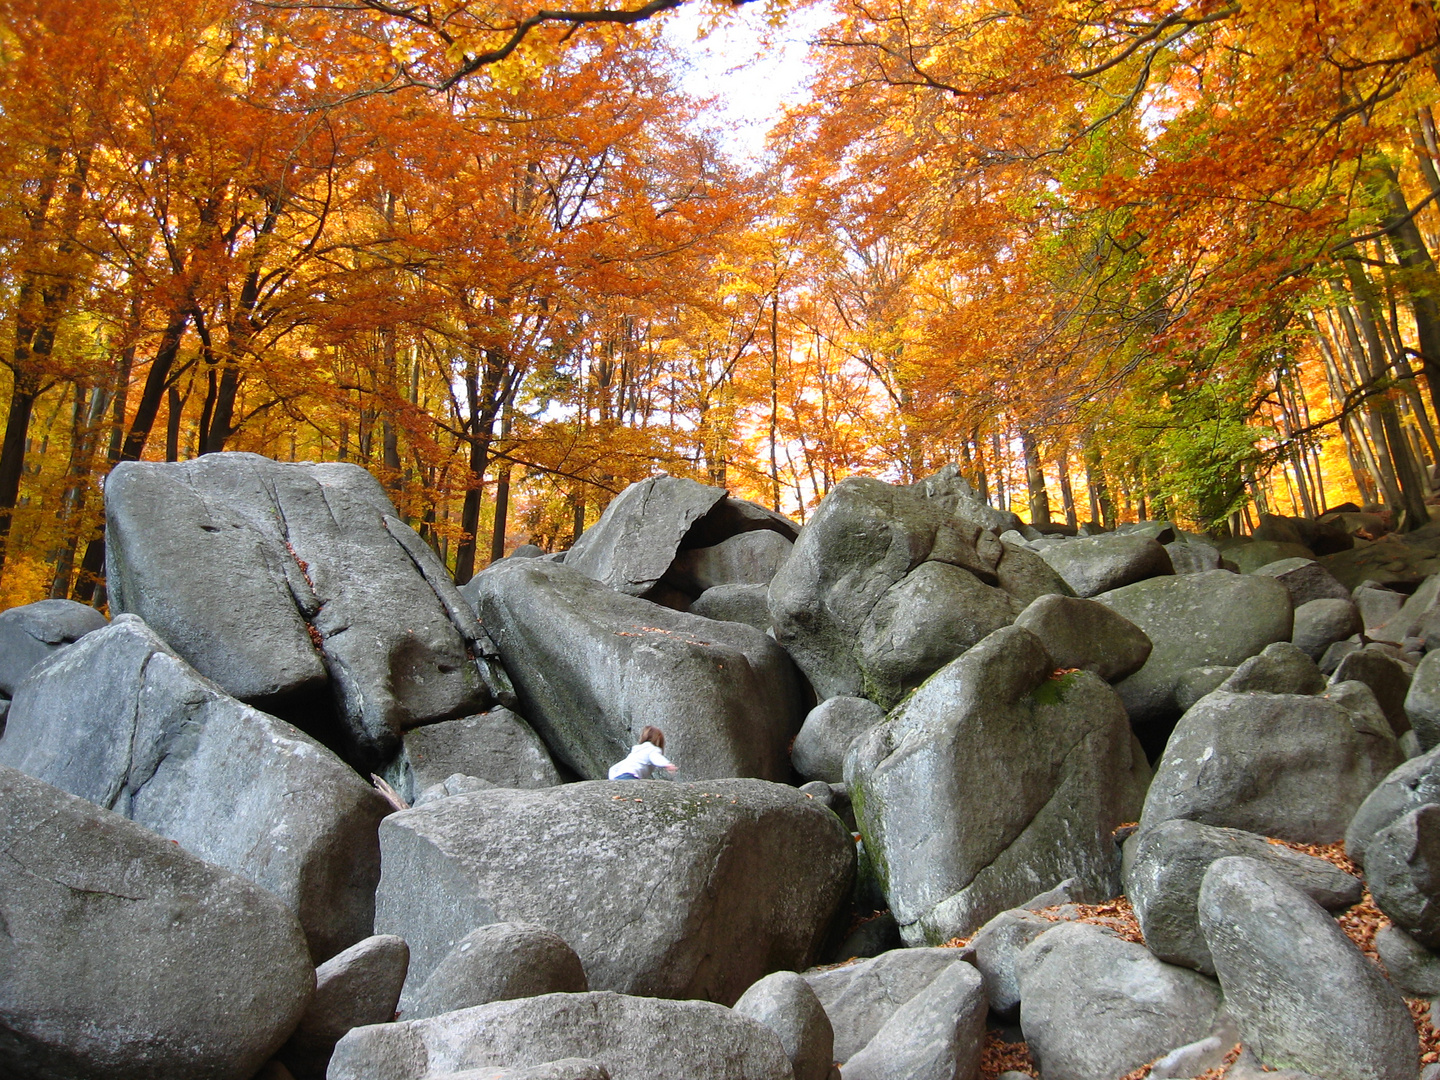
<point x="120" y="720"/>
<point x="1169" y="862"/>
<point x="826" y="735"/>
<point x="30" y="633"/>
<point x="1095" y="564"/>
<point x="785" y="1004"/>
<point x="354" y="988"/>
<point x="592" y="667"/>
<point x="998" y="946"/>
<point x="328" y="596"/>
<point x="633" y="1038"/>
<point x="123" y="956"/>
<point x="668" y="890"/>
<point x="497" y="746"/>
<point x="936" y="1035"/>
<point x="1387" y="678"/>
<point x="1196" y="620"/>
<point x="992" y="783"/>
<point x="498" y="962"/>
<point x="1303" y="996"/>
<point x="1087" y="635"/>
<point x="1094" y="1006"/>
<point x="1402" y="864"/>
<point x="1285" y="765"/>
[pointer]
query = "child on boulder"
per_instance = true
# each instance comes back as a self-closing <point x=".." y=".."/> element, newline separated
<point x="644" y="758"/>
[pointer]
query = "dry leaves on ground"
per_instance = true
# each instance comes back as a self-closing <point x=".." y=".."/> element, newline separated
<point x="999" y="1056"/>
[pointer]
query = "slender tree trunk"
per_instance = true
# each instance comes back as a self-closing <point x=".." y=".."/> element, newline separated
<point x="1067" y="495"/>
<point x="1039" y="498"/>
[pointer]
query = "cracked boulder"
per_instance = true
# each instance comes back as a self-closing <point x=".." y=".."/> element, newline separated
<point x="996" y="780"/>
<point x="297" y="589"/>
<point x="121" y="721"/>
<point x="125" y="957"/>
<point x="593" y="666"/>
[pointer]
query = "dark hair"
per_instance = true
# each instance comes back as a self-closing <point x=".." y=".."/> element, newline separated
<point x="653" y="735"/>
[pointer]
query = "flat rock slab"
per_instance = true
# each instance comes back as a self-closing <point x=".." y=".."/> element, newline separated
<point x="120" y="720"/>
<point x="663" y="889"/>
<point x="289" y="584"/>
<point x="127" y="958"/>
<point x="593" y="666"/>
<point x="633" y="1038"/>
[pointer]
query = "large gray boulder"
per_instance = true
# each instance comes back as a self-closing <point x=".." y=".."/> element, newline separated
<point x="1422" y="701"/>
<point x="120" y="720"/>
<point x="592" y="667"/>
<point x="1402" y="864"/>
<point x="496" y="962"/>
<point x="1281" y="668"/>
<point x="633" y="1038"/>
<point x="353" y="988"/>
<point x="636" y="538"/>
<point x="1321" y="623"/>
<point x="668" y="890"/>
<point x="825" y="737"/>
<point x="1302" y="994"/>
<point x="1169" y="861"/>
<point x="31" y="632"/>
<point x="1412" y="784"/>
<point x="1291" y="766"/>
<point x="1190" y="556"/>
<point x="293" y="585"/>
<point x="1086" y="635"/>
<point x="937" y="1035"/>
<point x="748" y="604"/>
<point x="1094" y="1006"/>
<point x="1305" y="579"/>
<point x="998" y="946"/>
<point x="122" y="956"/>
<point x="994" y="781"/>
<point x="748" y="558"/>
<point x="1095" y="564"/>
<point x="1386" y="676"/>
<point x="1414" y="969"/>
<point x="497" y="746"/>
<point x="785" y="1004"/>
<point x="1196" y="620"/>
<point x="861" y="998"/>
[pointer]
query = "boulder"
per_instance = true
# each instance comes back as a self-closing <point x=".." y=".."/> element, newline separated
<point x="331" y="605"/>
<point x="667" y="890"/>
<point x="1301" y="993"/>
<point x="454" y="784"/>
<point x="126" y="957"/>
<point x="1281" y="668"/>
<point x="1163" y="879"/>
<point x="998" y="946"/>
<point x="1402" y="864"/>
<point x="1386" y="676"/>
<point x="1192" y="556"/>
<point x="1377" y="604"/>
<point x="1094" y="1006"/>
<point x="1422" y="701"/>
<point x="632" y="1038"/>
<point x="1408" y="621"/>
<point x="1027" y="577"/>
<point x="1414" y="969"/>
<point x="937" y="1035"/>
<point x="748" y="604"/>
<point x="1321" y="623"/>
<point x="496" y="962"/>
<point x="1305" y="579"/>
<point x="1095" y="564"/>
<point x="785" y="1004"/>
<point x="994" y="780"/>
<point x="1411" y="785"/>
<point x="1250" y="555"/>
<point x="120" y="720"/>
<point x="861" y="998"/>
<point x="1285" y="765"/>
<point x="1387" y="561"/>
<point x="1197" y="620"/>
<point x="748" y="558"/>
<point x="497" y="746"/>
<point x="592" y="667"/>
<point x="31" y="632"/>
<point x="826" y="735"/>
<point x="1086" y="635"/>
<point x="353" y="988"/>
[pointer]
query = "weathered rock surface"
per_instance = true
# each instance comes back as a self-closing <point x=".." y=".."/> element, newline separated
<point x="1402" y="864"/>
<point x="1291" y="766"/>
<point x="1194" y="683"/>
<point x="353" y="988"/>
<point x="633" y="1038"/>
<point x="992" y="782"/>
<point x="496" y="962"/>
<point x="1301" y="993"/>
<point x="125" y="957"/>
<point x="1411" y="785"/>
<point x="785" y="1004"/>
<point x="120" y="720"/>
<point x="829" y="729"/>
<point x="1163" y="882"/>
<point x="497" y="746"/>
<point x="592" y="667"/>
<point x="749" y="558"/>
<point x="748" y="604"/>
<point x="669" y="890"/>
<point x="1321" y="623"/>
<point x="1096" y="564"/>
<point x="30" y="633"/>
<point x="328" y="595"/>
<point x="1196" y="620"/>
<point x="1094" y="1006"/>
<point x="936" y="1035"/>
<point x="1087" y="635"/>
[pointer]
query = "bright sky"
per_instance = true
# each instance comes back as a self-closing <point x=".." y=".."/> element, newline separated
<point x="750" y="68"/>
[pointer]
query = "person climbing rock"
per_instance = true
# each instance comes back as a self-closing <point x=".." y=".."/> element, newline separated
<point x="644" y="757"/>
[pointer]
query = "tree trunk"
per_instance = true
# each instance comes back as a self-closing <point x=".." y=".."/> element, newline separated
<point x="12" y="454"/>
<point x="1038" y="497"/>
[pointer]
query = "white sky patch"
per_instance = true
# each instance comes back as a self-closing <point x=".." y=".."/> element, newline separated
<point x="751" y="69"/>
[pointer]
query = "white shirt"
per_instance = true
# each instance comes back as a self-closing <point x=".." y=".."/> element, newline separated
<point x="644" y="759"/>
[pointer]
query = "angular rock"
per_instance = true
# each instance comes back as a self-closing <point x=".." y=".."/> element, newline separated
<point x="706" y="887"/>
<point x="826" y="735"/>
<point x="120" y="720"/>
<point x="748" y="604"/>
<point x="1285" y="765"/>
<point x="30" y="633"/>
<point x="1321" y="623"/>
<point x="1164" y="875"/>
<point x="592" y="667"/>
<point x="497" y="746"/>
<point x="749" y="558"/>
<point x="1306" y="579"/>
<point x="633" y="1038"/>
<point x="1377" y="604"/>
<point x="1386" y="676"/>
<point x="328" y="596"/>
<point x="1281" y="668"/>
<point x="1402" y="864"/>
<point x="936" y="1035"/>
<point x="496" y="962"/>
<point x="1094" y="1006"/>
<point x="1422" y="701"/>
<point x="1414" y="969"/>
<point x="1192" y="556"/>
<point x="123" y="956"/>
<point x="1198" y="620"/>
<point x="998" y="946"/>
<point x="1096" y="564"/>
<point x="1301" y="993"/>
<point x="1086" y="635"/>
<point x="353" y="988"/>
<point x="785" y="1004"/>
<point x="948" y="851"/>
